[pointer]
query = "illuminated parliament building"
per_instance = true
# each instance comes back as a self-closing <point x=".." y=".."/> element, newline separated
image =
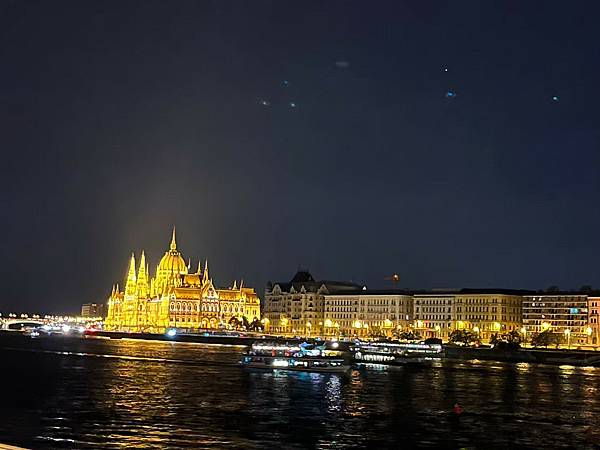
<point x="176" y="298"/>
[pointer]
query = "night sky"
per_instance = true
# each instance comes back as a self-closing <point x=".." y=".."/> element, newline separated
<point x="456" y="143"/>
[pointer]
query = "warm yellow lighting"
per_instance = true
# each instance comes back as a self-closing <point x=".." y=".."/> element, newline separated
<point x="523" y="330"/>
<point x="328" y="323"/>
<point x="437" y="328"/>
<point x="567" y="332"/>
<point x="176" y="295"/>
<point x="545" y="326"/>
<point x="357" y="324"/>
<point x="588" y="331"/>
<point x="419" y="324"/>
<point x="388" y="323"/>
<point x="460" y="325"/>
<point x="308" y="325"/>
<point x="284" y="322"/>
<point x="496" y="326"/>
<point x="476" y="329"/>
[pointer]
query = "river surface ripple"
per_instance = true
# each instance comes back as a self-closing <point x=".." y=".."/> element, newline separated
<point x="68" y="393"/>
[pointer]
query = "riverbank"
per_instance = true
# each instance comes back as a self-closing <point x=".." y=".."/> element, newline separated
<point x="200" y="338"/>
<point x="580" y="358"/>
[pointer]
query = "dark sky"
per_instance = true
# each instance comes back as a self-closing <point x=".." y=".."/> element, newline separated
<point x="119" y="119"/>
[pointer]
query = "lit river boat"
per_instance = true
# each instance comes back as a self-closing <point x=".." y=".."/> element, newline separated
<point x="327" y="357"/>
<point x="395" y="353"/>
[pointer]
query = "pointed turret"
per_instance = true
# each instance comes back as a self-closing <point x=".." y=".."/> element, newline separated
<point x="199" y="267"/>
<point x="241" y="284"/>
<point x="205" y="274"/>
<point x="130" y="285"/>
<point x="142" y="278"/>
<point x="234" y="285"/>
<point x="173" y="245"/>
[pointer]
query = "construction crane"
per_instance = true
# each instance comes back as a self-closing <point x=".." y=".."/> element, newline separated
<point x="394" y="278"/>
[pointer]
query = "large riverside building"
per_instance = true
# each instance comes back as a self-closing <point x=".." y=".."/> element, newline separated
<point x="434" y="313"/>
<point x="561" y="312"/>
<point x="326" y="308"/>
<point x="482" y="311"/>
<point x="176" y="298"/>
<point x="297" y="306"/>
<point x="365" y="312"/>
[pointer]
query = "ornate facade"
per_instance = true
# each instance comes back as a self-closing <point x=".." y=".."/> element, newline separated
<point x="176" y="298"/>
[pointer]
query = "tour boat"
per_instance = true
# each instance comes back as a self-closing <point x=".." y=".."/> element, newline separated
<point x="395" y="353"/>
<point x="326" y="358"/>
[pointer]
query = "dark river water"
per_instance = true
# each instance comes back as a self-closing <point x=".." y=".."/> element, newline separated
<point x="101" y="394"/>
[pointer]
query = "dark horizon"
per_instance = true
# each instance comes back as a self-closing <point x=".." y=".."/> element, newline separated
<point x="454" y="144"/>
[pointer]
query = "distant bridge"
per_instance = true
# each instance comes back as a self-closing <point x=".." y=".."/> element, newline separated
<point x="19" y="324"/>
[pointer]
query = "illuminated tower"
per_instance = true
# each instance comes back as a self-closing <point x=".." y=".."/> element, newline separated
<point x="131" y="284"/>
<point x="142" y="278"/>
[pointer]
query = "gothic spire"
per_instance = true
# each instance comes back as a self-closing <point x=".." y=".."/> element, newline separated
<point x="205" y="274"/>
<point x="173" y="243"/>
<point x="142" y="278"/>
<point x="130" y="285"/>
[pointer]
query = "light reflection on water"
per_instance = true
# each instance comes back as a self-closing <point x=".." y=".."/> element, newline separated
<point x="68" y="394"/>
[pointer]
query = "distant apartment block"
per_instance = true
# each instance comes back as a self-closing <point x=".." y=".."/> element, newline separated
<point x="92" y="310"/>
<point x="565" y="313"/>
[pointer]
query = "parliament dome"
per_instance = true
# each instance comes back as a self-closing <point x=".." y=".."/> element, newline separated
<point x="172" y="261"/>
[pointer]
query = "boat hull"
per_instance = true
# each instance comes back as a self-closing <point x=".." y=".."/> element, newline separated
<point x="259" y="366"/>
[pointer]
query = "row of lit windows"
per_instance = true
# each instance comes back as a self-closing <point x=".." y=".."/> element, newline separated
<point x="212" y="307"/>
